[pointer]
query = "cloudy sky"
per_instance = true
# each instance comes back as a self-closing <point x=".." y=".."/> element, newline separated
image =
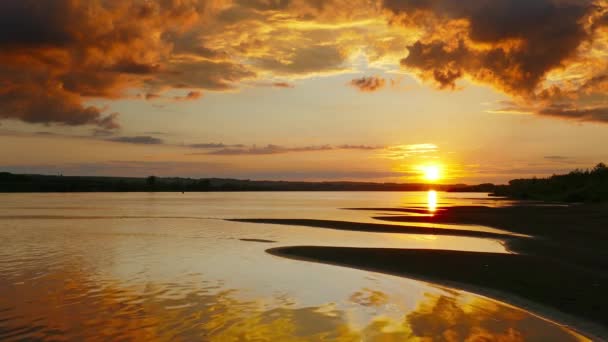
<point x="370" y="90"/>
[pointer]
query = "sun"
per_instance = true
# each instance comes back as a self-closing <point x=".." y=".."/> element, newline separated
<point x="431" y="173"/>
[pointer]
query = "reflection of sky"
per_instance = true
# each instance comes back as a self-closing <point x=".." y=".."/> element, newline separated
<point x="168" y="271"/>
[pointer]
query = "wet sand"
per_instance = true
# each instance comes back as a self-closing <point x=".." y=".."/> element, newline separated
<point x="375" y="227"/>
<point x="577" y="234"/>
<point x="258" y="240"/>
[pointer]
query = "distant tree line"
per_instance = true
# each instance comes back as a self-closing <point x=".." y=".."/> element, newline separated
<point x="45" y="183"/>
<point x="577" y="186"/>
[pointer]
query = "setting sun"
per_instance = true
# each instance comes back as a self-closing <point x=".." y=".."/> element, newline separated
<point x="431" y="173"/>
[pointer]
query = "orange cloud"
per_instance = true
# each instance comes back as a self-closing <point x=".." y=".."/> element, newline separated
<point x="58" y="55"/>
<point x="192" y="95"/>
<point x="524" y="48"/>
<point x="368" y="84"/>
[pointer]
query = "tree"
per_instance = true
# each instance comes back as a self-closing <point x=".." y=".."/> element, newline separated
<point x="151" y="181"/>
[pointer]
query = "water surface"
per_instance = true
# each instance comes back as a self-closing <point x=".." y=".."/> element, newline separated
<point x="166" y="266"/>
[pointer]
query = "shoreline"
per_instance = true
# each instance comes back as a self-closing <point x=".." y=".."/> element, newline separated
<point x="583" y="326"/>
<point x="378" y="227"/>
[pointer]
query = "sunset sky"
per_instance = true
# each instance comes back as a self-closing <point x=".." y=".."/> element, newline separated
<point x="365" y="90"/>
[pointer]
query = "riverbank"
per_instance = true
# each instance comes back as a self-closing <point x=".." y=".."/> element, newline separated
<point x="576" y="234"/>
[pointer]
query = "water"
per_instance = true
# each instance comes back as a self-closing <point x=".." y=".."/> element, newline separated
<point x="166" y="266"/>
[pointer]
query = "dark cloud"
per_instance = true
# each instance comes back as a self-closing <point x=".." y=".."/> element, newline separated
<point x="264" y="5"/>
<point x="32" y="23"/>
<point x="55" y="55"/>
<point x="569" y="111"/>
<point x="511" y="44"/>
<point x="196" y="74"/>
<point x="132" y="67"/>
<point x="368" y="84"/>
<point x="141" y="139"/>
<point x="152" y="96"/>
<point x="190" y="96"/>
<point x="45" y="103"/>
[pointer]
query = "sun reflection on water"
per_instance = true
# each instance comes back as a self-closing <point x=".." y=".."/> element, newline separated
<point x="432" y="201"/>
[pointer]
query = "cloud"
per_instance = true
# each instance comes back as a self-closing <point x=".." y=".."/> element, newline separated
<point x="511" y="107"/>
<point x="511" y="44"/>
<point x="359" y="147"/>
<point x="189" y="96"/>
<point x="55" y="56"/>
<point x="569" y="111"/>
<point x="307" y="60"/>
<point x="58" y="56"/>
<point x="399" y="152"/>
<point x="45" y="103"/>
<point x="541" y="52"/>
<point x="239" y="150"/>
<point x="277" y="84"/>
<point x="268" y="149"/>
<point x="192" y="95"/>
<point x="324" y="175"/>
<point x="141" y="139"/>
<point x="133" y="168"/>
<point x="368" y="84"/>
<point x="208" y="145"/>
<point x="151" y="96"/>
<point x="282" y="85"/>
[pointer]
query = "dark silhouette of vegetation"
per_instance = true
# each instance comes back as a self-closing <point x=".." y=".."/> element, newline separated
<point x="485" y="187"/>
<point x="151" y="181"/>
<point x="45" y="183"/>
<point x="576" y="186"/>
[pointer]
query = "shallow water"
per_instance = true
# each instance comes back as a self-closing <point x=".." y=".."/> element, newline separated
<point x="166" y="266"/>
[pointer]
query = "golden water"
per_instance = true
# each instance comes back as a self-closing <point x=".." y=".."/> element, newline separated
<point x="167" y="267"/>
